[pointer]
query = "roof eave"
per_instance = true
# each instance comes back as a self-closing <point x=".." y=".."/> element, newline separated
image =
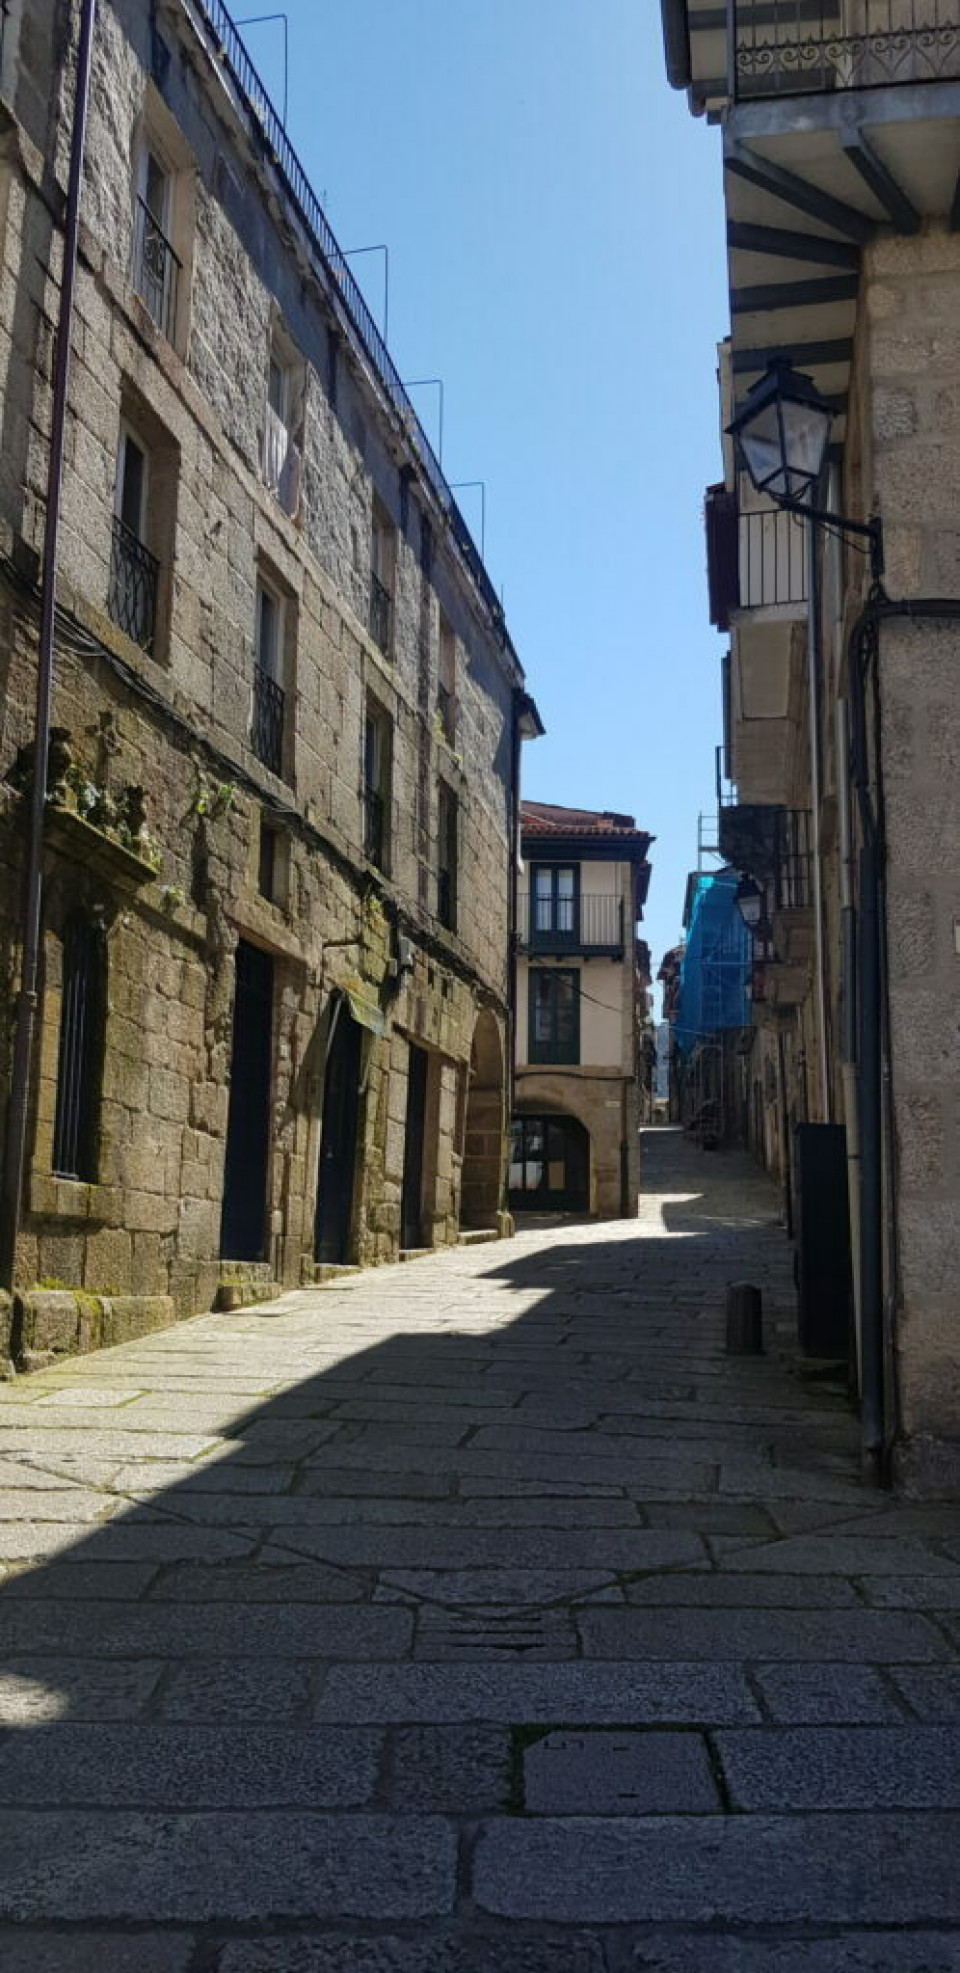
<point x="676" y="42"/>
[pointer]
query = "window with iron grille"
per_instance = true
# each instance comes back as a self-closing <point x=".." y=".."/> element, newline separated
<point x="377" y="762"/>
<point x="269" y="704"/>
<point x="447" y="682"/>
<point x="134" y="569"/>
<point x="447" y="846"/>
<point x="554" y="1014"/>
<point x="382" y="568"/>
<point x="80" y="1053"/>
<point x="156" y="267"/>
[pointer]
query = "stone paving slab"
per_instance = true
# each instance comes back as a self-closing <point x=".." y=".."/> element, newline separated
<point x="761" y="1870"/>
<point x="667" y="1693"/>
<point x="188" y="1868"/>
<point x="830" y="1694"/>
<point x="867" y="1952"/>
<point x="168" y="1631"/>
<point x="443" y="1952"/>
<point x="173" y="1767"/>
<point x="883" y="1637"/>
<point x="884" y="1767"/>
<point x="33" y="1951"/>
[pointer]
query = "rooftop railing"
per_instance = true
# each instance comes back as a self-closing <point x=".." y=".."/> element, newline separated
<point x="791" y="47"/>
<point x="229" y="51"/>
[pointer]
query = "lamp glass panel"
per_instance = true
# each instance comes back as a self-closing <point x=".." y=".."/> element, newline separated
<point x="806" y="431"/>
<point x="760" y="438"/>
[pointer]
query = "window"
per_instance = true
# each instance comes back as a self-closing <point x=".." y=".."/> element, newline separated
<point x="377" y="750"/>
<point x="267" y="721"/>
<point x="133" y="569"/>
<point x="281" y="460"/>
<point x="447" y="682"/>
<point x="156" y="268"/>
<point x="554" y="1015"/>
<point x="447" y="831"/>
<point x="80" y="1056"/>
<point x="556" y="889"/>
<point x="267" y="861"/>
<point x="382" y="563"/>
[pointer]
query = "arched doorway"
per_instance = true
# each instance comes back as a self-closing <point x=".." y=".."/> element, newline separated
<point x="481" y="1187"/>
<point x="549" y="1165"/>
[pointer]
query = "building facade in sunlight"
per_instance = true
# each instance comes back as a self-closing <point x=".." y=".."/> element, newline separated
<point x="839" y="141"/>
<point x="273" y="1017"/>
<point x="583" y="1049"/>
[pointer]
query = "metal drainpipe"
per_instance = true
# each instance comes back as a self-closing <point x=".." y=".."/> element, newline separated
<point x="848" y="1051"/>
<point x="11" y="1200"/>
<point x="513" y="930"/>
<point x="814" y="693"/>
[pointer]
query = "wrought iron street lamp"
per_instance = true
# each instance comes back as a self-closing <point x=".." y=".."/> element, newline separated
<point x="781" y="435"/>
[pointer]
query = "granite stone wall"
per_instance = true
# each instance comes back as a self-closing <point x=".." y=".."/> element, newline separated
<point x="173" y="897"/>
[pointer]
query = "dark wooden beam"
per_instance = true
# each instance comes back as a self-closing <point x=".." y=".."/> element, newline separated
<point x="881" y="181"/>
<point x="800" y="193"/>
<point x="791" y="246"/>
<point x="804" y="356"/>
<point x="793" y="294"/>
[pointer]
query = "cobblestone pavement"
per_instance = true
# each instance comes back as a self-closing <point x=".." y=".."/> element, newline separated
<point x="476" y="1616"/>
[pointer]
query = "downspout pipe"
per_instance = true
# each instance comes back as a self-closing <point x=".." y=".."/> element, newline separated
<point x="11" y="1197"/>
<point x="815" y="696"/>
<point x="519" y="704"/>
<point x="878" y="1249"/>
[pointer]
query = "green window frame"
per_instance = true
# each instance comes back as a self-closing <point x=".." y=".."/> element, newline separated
<point x="554" y="904"/>
<point x="553" y="1014"/>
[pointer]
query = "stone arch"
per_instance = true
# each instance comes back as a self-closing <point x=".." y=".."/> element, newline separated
<point x="484" y="1146"/>
<point x="578" y="1190"/>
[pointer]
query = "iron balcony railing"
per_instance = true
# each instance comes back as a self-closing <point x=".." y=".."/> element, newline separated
<point x="772" y="564"/>
<point x="381" y="606"/>
<point x="156" y="270"/>
<point x="228" y="51"/>
<point x="132" y="598"/>
<point x="789" y="47"/>
<point x="374" y="837"/>
<point x="754" y="559"/>
<point x="591" y="923"/>
<point x="792" y="880"/>
<point x="266" y="732"/>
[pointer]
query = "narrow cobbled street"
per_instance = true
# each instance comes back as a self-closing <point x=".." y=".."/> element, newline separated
<point x="477" y="1616"/>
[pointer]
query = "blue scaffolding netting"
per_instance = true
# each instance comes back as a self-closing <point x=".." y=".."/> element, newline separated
<point x="715" y="968"/>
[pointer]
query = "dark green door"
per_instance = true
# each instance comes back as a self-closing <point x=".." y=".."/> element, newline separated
<point x="338" y="1142"/>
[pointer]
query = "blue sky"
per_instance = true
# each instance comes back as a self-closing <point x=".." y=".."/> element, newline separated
<point x="555" y="228"/>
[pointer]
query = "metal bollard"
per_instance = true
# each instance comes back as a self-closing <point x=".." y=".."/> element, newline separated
<point x="744" y="1319"/>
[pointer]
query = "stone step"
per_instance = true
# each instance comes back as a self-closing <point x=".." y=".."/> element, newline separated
<point x="415" y="1253"/>
<point x="326" y="1274"/>
<point x="478" y="1236"/>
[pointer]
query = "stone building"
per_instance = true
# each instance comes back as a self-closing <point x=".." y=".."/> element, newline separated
<point x="582" y="1012"/>
<point x="273" y="1026"/>
<point x="840" y="146"/>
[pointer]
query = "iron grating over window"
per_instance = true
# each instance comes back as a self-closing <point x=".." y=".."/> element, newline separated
<point x="80" y="1056"/>
<point x="133" y="586"/>
<point x="268" y="718"/>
